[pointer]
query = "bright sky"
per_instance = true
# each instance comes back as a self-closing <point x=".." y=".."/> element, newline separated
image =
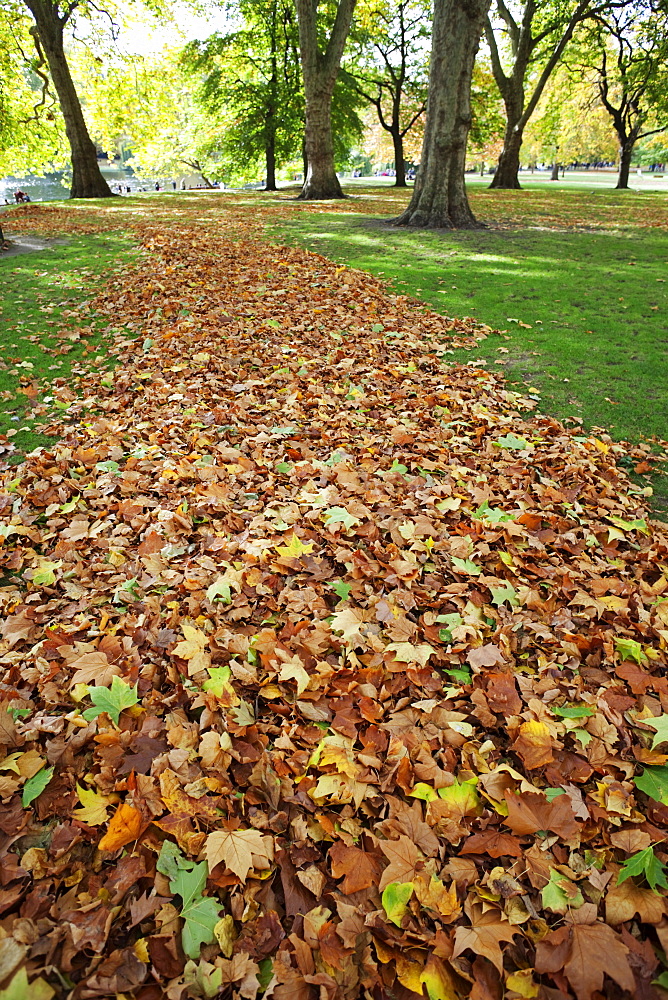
<point x="141" y="38"/>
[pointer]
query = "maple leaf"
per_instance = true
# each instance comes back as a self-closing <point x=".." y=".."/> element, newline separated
<point x="295" y="549"/>
<point x="339" y="515"/>
<point x="348" y="622"/>
<point x="192" y="648"/>
<point x="200" y="914"/>
<point x="586" y="953"/>
<point x="405" y="652"/>
<point x="395" y="900"/>
<point x="660" y="725"/>
<point x="20" y="989"/>
<point x="44" y="575"/>
<point x="236" y="849"/>
<point x="94" y="807"/>
<point x="293" y="669"/>
<point x="529" y="812"/>
<point x="647" y="864"/>
<point x="125" y="826"/>
<point x="112" y="700"/>
<point x="403" y="856"/>
<point x="35" y="785"/>
<point x="485" y="935"/>
<point x="360" y="868"/>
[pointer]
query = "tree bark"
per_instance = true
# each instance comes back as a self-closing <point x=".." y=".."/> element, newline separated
<point x="555" y="171"/>
<point x="625" y="153"/>
<point x="507" y="168"/>
<point x="87" y="180"/>
<point x="439" y="197"/>
<point x="320" y="70"/>
<point x="270" y="164"/>
<point x="399" y="165"/>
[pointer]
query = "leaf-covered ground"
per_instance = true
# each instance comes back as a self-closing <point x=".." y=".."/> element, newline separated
<point x="328" y="670"/>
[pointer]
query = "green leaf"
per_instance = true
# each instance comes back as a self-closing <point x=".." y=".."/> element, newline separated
<point x="397" y="466"/>
<point x="629" y="649"/>
<point x="219" y="588"/>
<point x="339" y="515"/>
<point x="395" y="900"/>
<point x="423" y="791"/>
<point x="654" y="782"/>
<point x="35" y="786"/>
<point x="560" y="894"/>
<point x="513" y="442"/>
<point x="505" y="593"/>
<point x="200" y="913"/>
<point x="107" y="466"/>
<point x="284" y="467"/>
<point x="341" y="589"/>
<point x="466" y="566"/>
<point x="44" y="575"/>
<point x="660" y="724"/>
<point x="463" y="795"/>
<point x="552" y="793"/>
<point x="111" y="700"/>
<point x="647" y="864"/>
<point x="20" y="989"/>
<point x="572" y="711"/>
<point x="461" y="674"/>
<point x="638" y="524"/>
<point x="493" y="515"/>
<point x="219" y="681"/>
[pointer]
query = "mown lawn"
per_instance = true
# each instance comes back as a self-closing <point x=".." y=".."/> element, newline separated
<point x="46" y="327"/>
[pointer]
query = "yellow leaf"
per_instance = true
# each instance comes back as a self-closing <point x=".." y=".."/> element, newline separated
<point x="293" y="669"/>
<point x="239" y="850"/>
<point x="125" y="826"/>
<point x="295" y="549"/>
<point x="94" y="807"/>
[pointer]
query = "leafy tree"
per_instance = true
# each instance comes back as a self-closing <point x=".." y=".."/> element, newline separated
<point x="321" y="49"/>
<point x="30" y="127"/>
<point x="51" y="18"/>
<point x="630" y="55"/>
<point x="146" y="110"/>
<point x="525" y="47"/>
<point x="389" y="67"/>
<point x="439" y="197"/>
<point x="251" y="81"/>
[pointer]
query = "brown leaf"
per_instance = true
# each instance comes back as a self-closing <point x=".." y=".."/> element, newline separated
<point x="360" y="868"/>
<point x="529" y="812"/>
<point x="485" y="935"/>
<point x="403" y="856"/>
<point x="586" y="953"/>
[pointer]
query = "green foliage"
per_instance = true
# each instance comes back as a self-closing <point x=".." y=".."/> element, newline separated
<point x="645" y="863"/>
<point x="199" y="913"/>
<point x="395" y="900"/>
<point x="654" y="782"/>
<point x="35" y="786"/>
<point x="111" y="700"/>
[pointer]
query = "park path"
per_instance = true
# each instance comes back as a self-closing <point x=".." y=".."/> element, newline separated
<point x="326" y="665"/>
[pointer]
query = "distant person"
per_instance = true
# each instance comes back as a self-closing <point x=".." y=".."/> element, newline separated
<point x="173" y="185"/>
<point x="157" y="186"/>
<point x="183" y="184"/>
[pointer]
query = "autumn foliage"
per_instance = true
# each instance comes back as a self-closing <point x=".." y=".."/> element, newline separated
<point x="343" y="670"/>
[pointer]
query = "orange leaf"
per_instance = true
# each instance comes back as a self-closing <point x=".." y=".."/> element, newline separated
<point x="125" y="826"/>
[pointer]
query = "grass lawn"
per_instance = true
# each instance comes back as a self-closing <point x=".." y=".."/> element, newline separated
<point x="46" y="330"/>
<point x="579" y="292"/>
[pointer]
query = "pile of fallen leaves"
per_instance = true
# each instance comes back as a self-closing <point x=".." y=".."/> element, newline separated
<point x="328" y="670"/>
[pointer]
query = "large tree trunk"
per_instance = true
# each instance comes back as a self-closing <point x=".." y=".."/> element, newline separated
<point x="507" y="168"/>
<point x="554" y="176"/>
<point x="399" y="165"/>
<point x="87" y="180"/>
<point x="625" y="153"/>
<point x="270" y="163"/>
<point x="439" y="198"/>
<point x="320" y="70"/>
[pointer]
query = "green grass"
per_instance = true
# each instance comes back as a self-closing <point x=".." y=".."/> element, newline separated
<point x="582" y="314"/>
<point x="39" y="340"/>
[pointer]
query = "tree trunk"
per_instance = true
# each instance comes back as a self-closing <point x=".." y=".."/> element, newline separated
<point x="555" y="171"/>
<point x="507" y="169"/>
<point x="87" y="180"/>
<point x="320" y="180"/>
<point x="625" y="153"/>
<point x="439" y="198"/>
<point x="319" y="70"/>
<point x="270" y="164"/>
<point x="399" y="165"/>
